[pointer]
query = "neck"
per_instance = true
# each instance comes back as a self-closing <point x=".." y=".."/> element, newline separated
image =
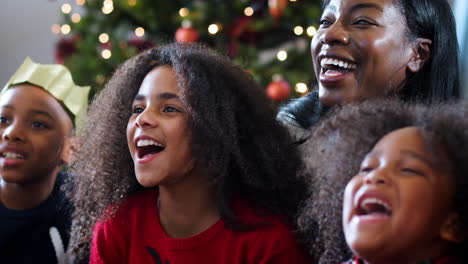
<point x="19" y="196"/>
<point x="187" y="208"/>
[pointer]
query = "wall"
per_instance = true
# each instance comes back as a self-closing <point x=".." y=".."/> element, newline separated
<point x="25" y="30"/>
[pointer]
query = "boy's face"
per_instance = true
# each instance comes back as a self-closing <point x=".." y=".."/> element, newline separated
<point x="157" y="132"/>
<point x="396" y="208"/>
<point x="34" y="128"/>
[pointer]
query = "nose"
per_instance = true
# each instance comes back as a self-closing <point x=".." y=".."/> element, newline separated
<point x="147" y="118"/>
<point x="378" y="177"/>
<point x="13" y="133"/>
<point x="335" y="34"/>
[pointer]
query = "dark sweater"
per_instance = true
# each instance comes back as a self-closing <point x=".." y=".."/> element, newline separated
<point x="26" y="235"/>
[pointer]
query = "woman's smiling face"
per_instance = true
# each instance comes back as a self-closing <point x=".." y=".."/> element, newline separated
<point x="361" y="50"/>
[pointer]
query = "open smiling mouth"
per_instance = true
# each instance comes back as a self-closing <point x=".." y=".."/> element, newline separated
<point x="332" y="66"/>
<point x="147" y="147"/>
<point x="11" y="155"/>
<point x="374" y="207"/>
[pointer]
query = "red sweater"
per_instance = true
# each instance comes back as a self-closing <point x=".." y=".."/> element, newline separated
<point x="134" y="235"/>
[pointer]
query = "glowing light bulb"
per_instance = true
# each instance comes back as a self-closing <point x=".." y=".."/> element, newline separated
<point x="213" y="29"/>
<point x="80" y="2"/>
<point x="183" y="12"/>
<point x="298" y="30"/>
<point x="249" y="11"/>
<point x="75" y="18"/>
<point x="106" y="54"/>
<point x="103" y="38"/>
<point x="301" y="88"/>
<point x="55" y="28"/>
<point x="282" y="55"/>
<point x="65" y="29"/>
<point x="311" y="31"/>
<point x="140" y="32"/>
<point x="66" y="8"/>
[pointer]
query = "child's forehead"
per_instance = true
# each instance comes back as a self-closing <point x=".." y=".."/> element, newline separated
<point x="27" y="97"/>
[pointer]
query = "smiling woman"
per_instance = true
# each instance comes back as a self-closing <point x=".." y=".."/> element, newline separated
<point x="379" y="48"/>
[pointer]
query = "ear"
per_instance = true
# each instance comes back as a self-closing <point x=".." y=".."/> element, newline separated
<point x="451" y="230"/>
<point x="67" y="150"/>
<point x="422" y="53"/>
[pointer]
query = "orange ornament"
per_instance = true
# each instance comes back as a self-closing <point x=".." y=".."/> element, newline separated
<point x="278" y="90"/>
<point x="186" y="33"/>
<point x="277" y="7"/>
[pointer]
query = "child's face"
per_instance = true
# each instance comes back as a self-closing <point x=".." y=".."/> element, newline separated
<point x="34" y="129"/>
<point x="157" y="133"/>
<point x="398" y="203"/>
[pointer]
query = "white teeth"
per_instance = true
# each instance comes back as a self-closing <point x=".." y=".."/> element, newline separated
<point x="12" y="155"/>
<point x="368" y="201"/>
<point x="329" y="61"/>
<point x="147" y="142"/>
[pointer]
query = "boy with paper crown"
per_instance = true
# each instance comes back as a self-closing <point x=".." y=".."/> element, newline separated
<point x="38" y="108"/>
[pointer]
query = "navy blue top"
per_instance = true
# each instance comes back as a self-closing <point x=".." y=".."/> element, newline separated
<point x="25" y="235"/>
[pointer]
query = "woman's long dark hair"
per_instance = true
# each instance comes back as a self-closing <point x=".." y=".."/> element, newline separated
<point x="240" y="146"/>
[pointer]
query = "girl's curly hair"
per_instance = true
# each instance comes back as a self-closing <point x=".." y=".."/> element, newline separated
<point x="235" y="137"/>
<point x="340" y="143"/>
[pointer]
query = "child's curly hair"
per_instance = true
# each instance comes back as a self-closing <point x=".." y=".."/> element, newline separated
<point x="340" y="143"/>
<point x="235" y="138"/>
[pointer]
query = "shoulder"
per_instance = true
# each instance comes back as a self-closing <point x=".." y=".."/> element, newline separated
<point x="301" y="114"/>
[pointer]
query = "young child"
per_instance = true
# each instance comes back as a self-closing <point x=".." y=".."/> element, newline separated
<point x="203" y="174"/>
<point x="407" y="202"/>
<point x="38" y="106"/>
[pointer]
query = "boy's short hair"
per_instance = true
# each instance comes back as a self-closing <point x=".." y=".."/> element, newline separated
<point x="57" y="80"/>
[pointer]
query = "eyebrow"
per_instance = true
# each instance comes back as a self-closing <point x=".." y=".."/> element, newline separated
<point x="376" y="154"/>
<point x="366" y="5"/>
<point x="419" y="157"/>
<point x="165" y="96"/>
<point x="34" y="111"/>
<point x="357" y="6"/>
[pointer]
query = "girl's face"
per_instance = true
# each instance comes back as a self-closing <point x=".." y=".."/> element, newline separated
<point x="157" y="132"/>
<point x="398" y="206"/>
<point x="360" y="50"/>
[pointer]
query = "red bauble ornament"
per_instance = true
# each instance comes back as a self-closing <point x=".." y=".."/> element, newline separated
<point x="278" y="90"/>
<point x="186" y="33"/>
<point x="277" y="7"/>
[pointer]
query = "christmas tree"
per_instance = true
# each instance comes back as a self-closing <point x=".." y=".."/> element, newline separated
<point x="268" y="38"/>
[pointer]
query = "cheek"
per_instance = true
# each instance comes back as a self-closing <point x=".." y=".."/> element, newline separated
<point x="130" y="136"/>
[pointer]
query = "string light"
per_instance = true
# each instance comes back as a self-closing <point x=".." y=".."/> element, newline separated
<point x="65" y="29"/>
<point x="75" y="18"/>
<point x="103" y="38"/>
<point x="183" y="12"/>
<point x="311" y="31"/>
<point x="140" y="32"/>
<point x="301" y="88"/>
<point x="282" y="55"/>
<point x="66" y="8"/>
<point x="298" y="30"/>
<point x="107" y="7"/>
<point x="55" y="28"/>
<point x="292" y="0"/>
<point x="80" y="2"/>
<point x="213" y="29"/>
<point x="132" y="2"/>
<point x="249" y="11"/>
<point x="106" y="54"/>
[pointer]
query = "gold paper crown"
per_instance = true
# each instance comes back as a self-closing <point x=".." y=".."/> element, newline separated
<point x="55" y="79"/>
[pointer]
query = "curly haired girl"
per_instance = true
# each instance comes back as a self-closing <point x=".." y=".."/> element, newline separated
<point x="215" y="174"/>
<point x="402" y="172"/>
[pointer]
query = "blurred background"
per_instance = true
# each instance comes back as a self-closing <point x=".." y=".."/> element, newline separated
<point x="269" y="38"/>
